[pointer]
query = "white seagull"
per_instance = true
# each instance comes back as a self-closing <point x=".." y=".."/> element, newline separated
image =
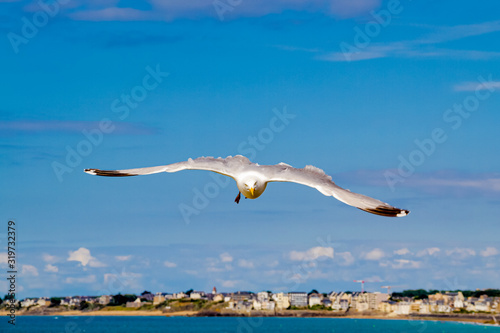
<point x="252" y="178"/>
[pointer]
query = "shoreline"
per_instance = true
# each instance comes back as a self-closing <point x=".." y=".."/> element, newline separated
<point x="482" y="319"/>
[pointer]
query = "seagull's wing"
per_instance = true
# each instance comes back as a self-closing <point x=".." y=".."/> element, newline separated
<point x="225" y="166"/>
<point x="316" y="178"/>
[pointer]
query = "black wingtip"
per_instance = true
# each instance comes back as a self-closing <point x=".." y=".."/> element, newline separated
<point x="387" y="211"/>
<point x="108" y="173"/>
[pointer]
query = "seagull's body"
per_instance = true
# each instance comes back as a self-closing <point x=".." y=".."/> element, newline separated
<point x="252" y="178"/>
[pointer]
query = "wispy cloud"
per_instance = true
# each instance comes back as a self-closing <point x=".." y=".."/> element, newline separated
<point x="406" y="50"/>
<point x="83" y="279"/>
<point x="194" y="9"/>
<point x="450" y="183"/>
<point x="245" y="263"/>
<point x="112" y="14"/>
<point x="459" y="185"/>
<point x="62" y="126"/>
<point x="474" y="86"/>
<point x="427" y="46"/>
<point x="446" y="34"/>
<point x="229" y="283"/>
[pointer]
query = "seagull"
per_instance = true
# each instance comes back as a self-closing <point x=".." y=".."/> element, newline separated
<point x="252" y="178"/>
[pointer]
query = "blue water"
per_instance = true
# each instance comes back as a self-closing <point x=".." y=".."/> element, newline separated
<point x="225" y="324"/>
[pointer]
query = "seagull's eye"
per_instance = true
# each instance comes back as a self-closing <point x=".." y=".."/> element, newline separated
<point x="246" y="185"/>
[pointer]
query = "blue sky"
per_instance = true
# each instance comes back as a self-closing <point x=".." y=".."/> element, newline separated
<point x="397" y="100"/>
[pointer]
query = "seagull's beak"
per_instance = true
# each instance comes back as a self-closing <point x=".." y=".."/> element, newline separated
<point x="252" y="190"/>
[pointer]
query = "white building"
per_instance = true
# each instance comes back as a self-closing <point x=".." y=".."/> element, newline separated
<point x="263" y="296"/>
<point x="282" y="301"/>
<point x="105" y="299"/>
<point x="29" y="302"/>
<point x="403" y="308"/>
<point x="43" y="301"/>
<point x="197" y="295"/>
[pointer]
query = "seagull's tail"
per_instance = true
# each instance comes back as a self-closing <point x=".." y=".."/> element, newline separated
<point x="387" y="211"/>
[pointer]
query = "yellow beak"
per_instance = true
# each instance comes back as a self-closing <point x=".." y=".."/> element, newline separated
<point x="252" y="190"/>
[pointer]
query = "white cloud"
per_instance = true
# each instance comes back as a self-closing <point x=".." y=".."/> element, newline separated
<point x="245" y="263"/>
<point x="375" y="254"/>
<point x="51" y="268"/>
<point x="123" y="258"/>
<point x="449" y="33"/>
<point x="347" y="257"/>
<point x="3" y="258"/>
<point x="110" y="14"/>
<point x="29" y="270"/>
<point x="122" y="281"/>
<point x="490" y="251"/>
<point x="428" y="252"/>
<point x="83" y="279"/>
<point x="82" y="255"/>
<point x="374" y="279"/>
<point x="49" y="258"/>
<point x="374" y="51"/>
<point x="352" y="8"/>
<point x="475" y="86"/>
<point x="212" y="269"/>
<point x="230" y="283"/>
<point x="312" y="254"/>
<point x="401" y="264"/>
<point x="223" y="10"/>
<point x="427" y="47"/>
<point x="461" y="253"/>
<point x="226" y="257"/>
<point x="402" y="252"/>
<point x="169" y="264"/>
<point x="273" y="263"/>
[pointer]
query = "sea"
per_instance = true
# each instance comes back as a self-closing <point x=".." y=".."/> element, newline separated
<point x="230" y="324"/>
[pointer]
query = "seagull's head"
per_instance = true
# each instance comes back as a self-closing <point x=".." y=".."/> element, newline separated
<point x="252" y="187"/>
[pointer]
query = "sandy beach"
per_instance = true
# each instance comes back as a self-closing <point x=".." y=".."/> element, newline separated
<point x="104" y="313"/>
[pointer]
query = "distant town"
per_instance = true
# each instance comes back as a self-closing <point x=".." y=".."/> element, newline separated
<point x="398" y="303"/>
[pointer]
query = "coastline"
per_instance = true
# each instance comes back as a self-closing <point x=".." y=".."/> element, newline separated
<point x="483" y="319"/>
